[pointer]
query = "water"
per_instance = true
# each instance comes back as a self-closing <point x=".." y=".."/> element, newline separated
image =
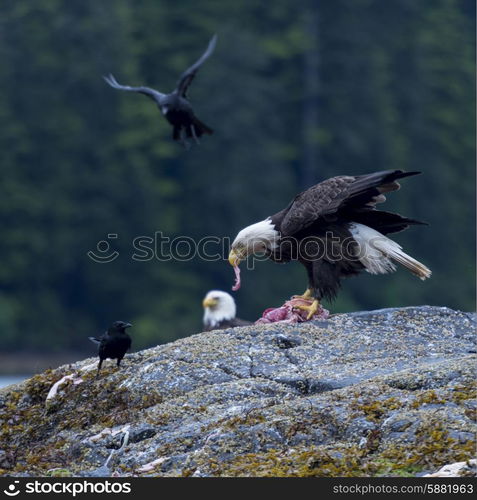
<point x="11" y="379"/>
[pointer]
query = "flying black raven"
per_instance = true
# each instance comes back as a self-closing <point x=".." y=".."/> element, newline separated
<point x="176" y="106"/>
<point x="114" y="343"/>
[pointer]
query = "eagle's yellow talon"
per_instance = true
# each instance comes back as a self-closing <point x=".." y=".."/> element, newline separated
<point x="304" y="296"/>
<point x="312" y="308"/>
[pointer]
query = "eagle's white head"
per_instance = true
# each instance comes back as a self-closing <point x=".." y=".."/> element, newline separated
<point x="218" y="306"/>
<point x="258" y="237"/>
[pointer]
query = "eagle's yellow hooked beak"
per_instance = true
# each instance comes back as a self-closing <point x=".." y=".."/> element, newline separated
<point x="209" y="302"/>
<point x="234" y="258"/>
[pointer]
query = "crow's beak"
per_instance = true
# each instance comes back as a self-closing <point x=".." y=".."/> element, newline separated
<point x="127" y="325"/>
<point x="234" y="258"/>
<point x="210" y="302"/>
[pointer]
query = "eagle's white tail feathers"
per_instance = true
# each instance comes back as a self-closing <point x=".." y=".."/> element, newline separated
<point x="377" y="252"/>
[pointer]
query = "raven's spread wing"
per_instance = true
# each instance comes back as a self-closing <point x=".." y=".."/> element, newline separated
<point x="153" y="94"/>
<point x="189" y="74"/>
<point x="334" y="194"/>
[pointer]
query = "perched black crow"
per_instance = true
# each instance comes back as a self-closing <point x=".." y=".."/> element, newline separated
<point x="175" y="106"/>
<point x="114" y="343"/>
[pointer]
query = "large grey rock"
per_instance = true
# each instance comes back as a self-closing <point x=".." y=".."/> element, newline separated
<point x="371" y="393"/>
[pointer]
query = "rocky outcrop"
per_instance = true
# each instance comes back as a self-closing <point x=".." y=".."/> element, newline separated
<point x="388" y="392"/>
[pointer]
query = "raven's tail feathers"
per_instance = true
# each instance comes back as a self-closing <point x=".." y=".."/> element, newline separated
<point x="193" y="130"/>
<point x="200" y="128"/>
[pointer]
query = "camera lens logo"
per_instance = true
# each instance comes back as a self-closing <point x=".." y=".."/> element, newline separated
<point x="12" y="490"/>
<point x="104" y="253"/>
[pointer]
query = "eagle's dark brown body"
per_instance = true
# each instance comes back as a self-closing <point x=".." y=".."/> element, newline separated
<point x="315" y="227"/>
<point x="327" y="251"/>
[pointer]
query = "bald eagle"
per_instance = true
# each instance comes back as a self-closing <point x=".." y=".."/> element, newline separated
<point x="219" y="311"/>
<point x="335" y="231"/>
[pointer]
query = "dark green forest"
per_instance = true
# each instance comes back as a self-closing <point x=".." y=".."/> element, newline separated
<point x="296" y="92"/>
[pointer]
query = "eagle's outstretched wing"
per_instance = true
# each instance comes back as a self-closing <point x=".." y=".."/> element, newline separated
<point x="189" y="74"/>
<point x="329" y="196"/>
<point x="153" y="94"/>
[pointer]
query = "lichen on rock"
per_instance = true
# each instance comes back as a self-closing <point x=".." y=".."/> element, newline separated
<point x="388" y="392"/>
